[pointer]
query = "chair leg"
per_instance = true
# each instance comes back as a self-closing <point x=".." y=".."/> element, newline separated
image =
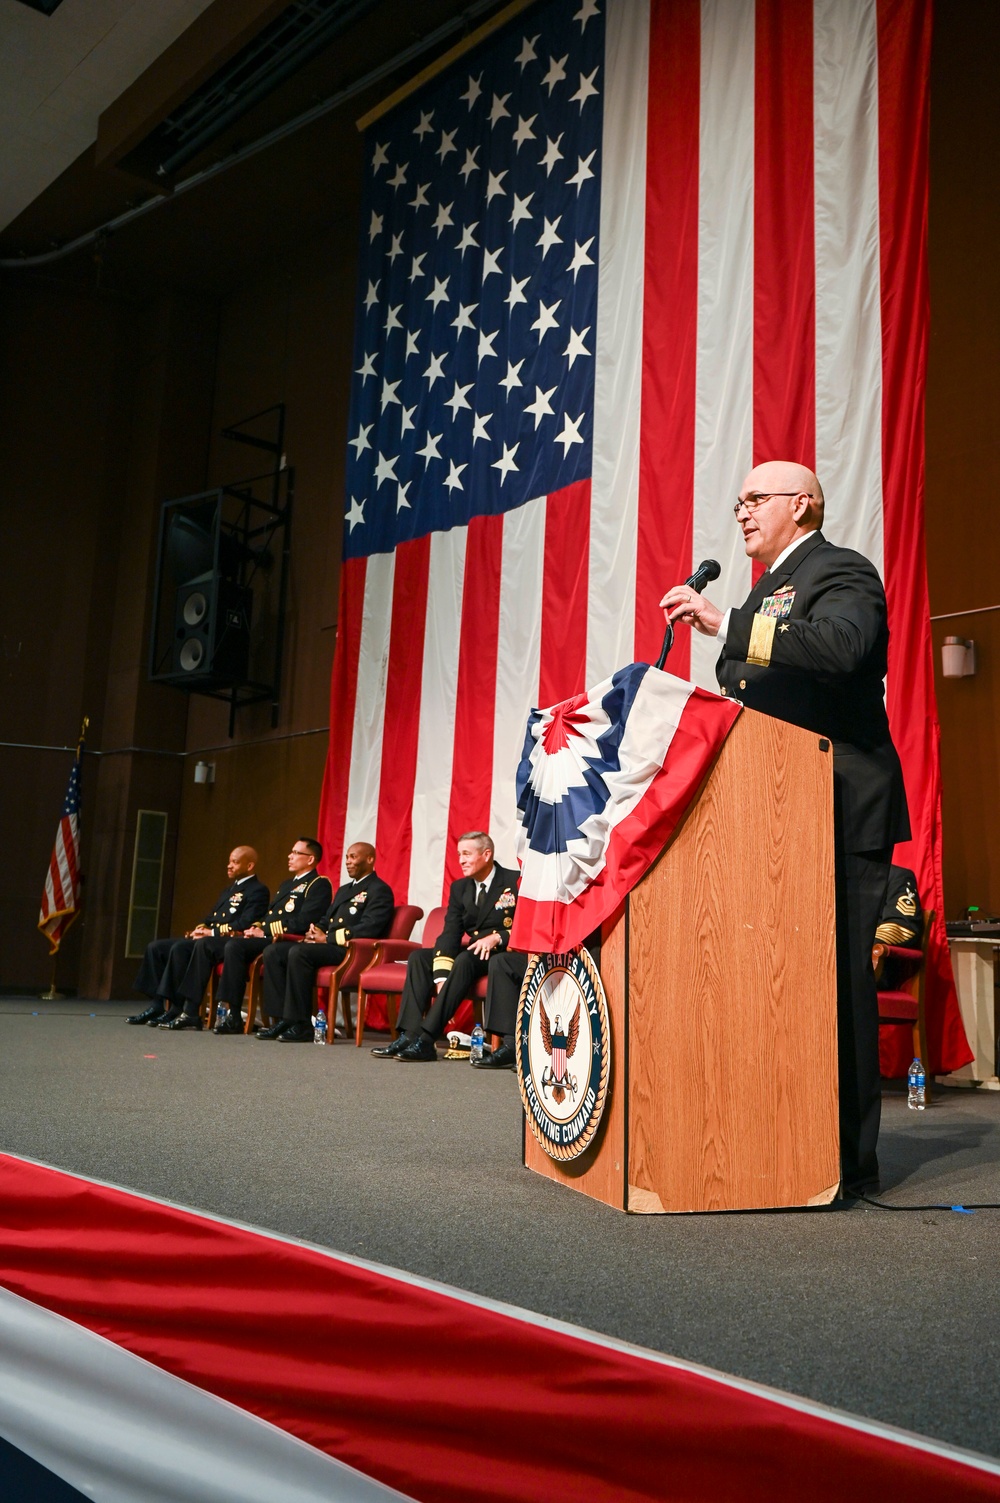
<point x="345" y="1007"/>
<point x="392" y="1012"/>
<point x="359" y="1028"/>
<point x="207" y="1008"/>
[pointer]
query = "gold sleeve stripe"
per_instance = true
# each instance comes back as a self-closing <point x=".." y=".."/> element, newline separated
<point x="895" y="934"/>
<point x="223" y="928"/>
<point x="341" y="936"/>
<point x="443" y="962"/>
<point x="761" y="639"/>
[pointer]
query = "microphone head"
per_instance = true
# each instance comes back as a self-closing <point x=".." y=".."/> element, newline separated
<point x="709" y="569"/>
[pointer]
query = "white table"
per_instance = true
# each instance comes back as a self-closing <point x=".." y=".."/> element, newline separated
<point x="973" y="963"/>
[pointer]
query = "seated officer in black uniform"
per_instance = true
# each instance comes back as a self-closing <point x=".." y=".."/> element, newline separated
<point x="361" y="909"/>
<point x="242" y="903"/>
<point x="481" y="905"/>
<point x="503" y="992"/>
<point x="298" y="903"/>
<point x="902" y="923"/>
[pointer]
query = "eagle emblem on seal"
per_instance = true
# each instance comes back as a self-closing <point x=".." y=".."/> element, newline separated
<point x="560" y="1047"/>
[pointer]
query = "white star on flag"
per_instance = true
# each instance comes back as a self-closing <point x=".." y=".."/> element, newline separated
<point x="458" y="398"/>
<point x="586" y="90"/>
<point x="386" y="468"/>
<point x="570" y="434"/>
<point x="512" y="377"/>
<point x="435" y="371"/>
<point x="527" y="53"/>
<point x="356" y="513"/>
<point x="452" y="480"/>
<point x="499" y="109"/>
<point x="556" y="73"/>
<point x="474" y="90"/>
<point x="582" y="172"/>
<point x="360" y="441"/>
<point x="552" y="155"/>
<point x="524" y="131"/>
<point x="541" y="406"/>
<point x="506" y="461"/>
<point x="576" y="345"/>
<point x="581" y="258"/>
<point x="430" y="449"/>
<point x="546" y="319"/>
<point x="548" y="238"/>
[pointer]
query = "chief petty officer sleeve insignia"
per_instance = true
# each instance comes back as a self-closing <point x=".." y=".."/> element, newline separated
<point x="906" y="903"/>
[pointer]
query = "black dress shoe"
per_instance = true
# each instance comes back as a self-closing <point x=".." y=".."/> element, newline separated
<point x="152" y="1014"/>
<point x="394" y="1049"/>
<point x="296" y="1033"/>
<point x="233" y="1024"/>
<point x="420" y="1052"/>
<point x="504" y="1058"/>
<point x="185" y="1020"/>
<point x="164" y="1019"/>
<point x="274" y="1032"/>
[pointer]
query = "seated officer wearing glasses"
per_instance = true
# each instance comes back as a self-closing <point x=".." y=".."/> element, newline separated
<point x="361" y="909"/>
<point x="808" y="645"/>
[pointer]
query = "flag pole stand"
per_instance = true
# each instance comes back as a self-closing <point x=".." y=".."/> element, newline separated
<point x="52" y="995"/>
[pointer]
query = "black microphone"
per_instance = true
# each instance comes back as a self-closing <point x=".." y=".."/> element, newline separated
<point x="706" y="571"/>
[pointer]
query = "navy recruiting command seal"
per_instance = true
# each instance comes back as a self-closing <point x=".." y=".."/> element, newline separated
<point x="563" y="1051"/>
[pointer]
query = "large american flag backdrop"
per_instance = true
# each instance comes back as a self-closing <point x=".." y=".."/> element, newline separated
<point x="612" y="258"/>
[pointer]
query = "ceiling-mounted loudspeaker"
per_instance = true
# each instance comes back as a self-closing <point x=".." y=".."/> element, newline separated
<point x="958" y="658"/>
<point x="195" y="608"/>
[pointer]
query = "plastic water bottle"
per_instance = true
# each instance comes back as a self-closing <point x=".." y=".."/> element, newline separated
<point x="221" y="1014"/>
<point x="319" y="1027"/>
<point x="915" y="1087"/>
<point x="476" y="1047"/>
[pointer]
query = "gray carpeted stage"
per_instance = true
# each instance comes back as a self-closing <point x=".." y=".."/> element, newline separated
<point x="887" y="1315"/>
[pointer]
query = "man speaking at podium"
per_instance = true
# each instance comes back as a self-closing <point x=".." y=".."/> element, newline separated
<point x="809" y="646"/>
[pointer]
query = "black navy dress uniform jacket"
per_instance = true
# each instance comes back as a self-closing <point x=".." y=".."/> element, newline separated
<point x="242" y="904"/>
<point x="822" y="665"/>
<point x="360" y="910"/>
<point x="493" y="915"/>
<point x="299" y="902"/>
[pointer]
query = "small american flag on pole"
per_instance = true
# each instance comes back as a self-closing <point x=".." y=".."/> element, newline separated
<point x="61" y="895"/>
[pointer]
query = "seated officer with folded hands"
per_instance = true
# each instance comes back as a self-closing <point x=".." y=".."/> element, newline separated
<point x="165" y="962"/>
<point x="361" y="909"/>
<point x="299" y="902"/>
<point x="480" y="907"/>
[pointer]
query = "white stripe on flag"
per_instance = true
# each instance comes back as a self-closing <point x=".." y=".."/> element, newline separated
<point x="369" y="711"/>
<point x="724" y="380"/>
<point x="118" y="1428"/>
<point x="848" y="311"/>
<point x="614" y="501"/>
<point x="519" y="649"/>
<point x="436" y="736"/>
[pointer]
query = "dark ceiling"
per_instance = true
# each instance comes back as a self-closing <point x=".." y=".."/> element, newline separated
<point x="254" y="213"/>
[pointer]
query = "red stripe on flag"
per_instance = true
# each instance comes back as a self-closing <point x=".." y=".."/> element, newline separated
<point x="904" y="42"/>
<point x="472" y="767"/>
<point x="565" y="577"/>
<point x="343" y="694"/>
<point x="784" y="260"/>
<point x="390" y="1377"/>
<point x="670" y="321"/>
<point x="402" y="699"/>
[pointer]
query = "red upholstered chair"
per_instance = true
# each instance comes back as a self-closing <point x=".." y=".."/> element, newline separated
<point x="334" y="982"/>
<point x="905" y="1004"/>
<point x="387" y="974"/>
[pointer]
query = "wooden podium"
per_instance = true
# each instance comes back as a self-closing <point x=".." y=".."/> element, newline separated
<point x="720" y="974"/>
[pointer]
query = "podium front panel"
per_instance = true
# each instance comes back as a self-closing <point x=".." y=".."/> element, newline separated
<point x="731" y="1005"/>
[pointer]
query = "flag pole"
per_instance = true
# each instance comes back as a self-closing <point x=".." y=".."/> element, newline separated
<point x="52" y="995"/>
